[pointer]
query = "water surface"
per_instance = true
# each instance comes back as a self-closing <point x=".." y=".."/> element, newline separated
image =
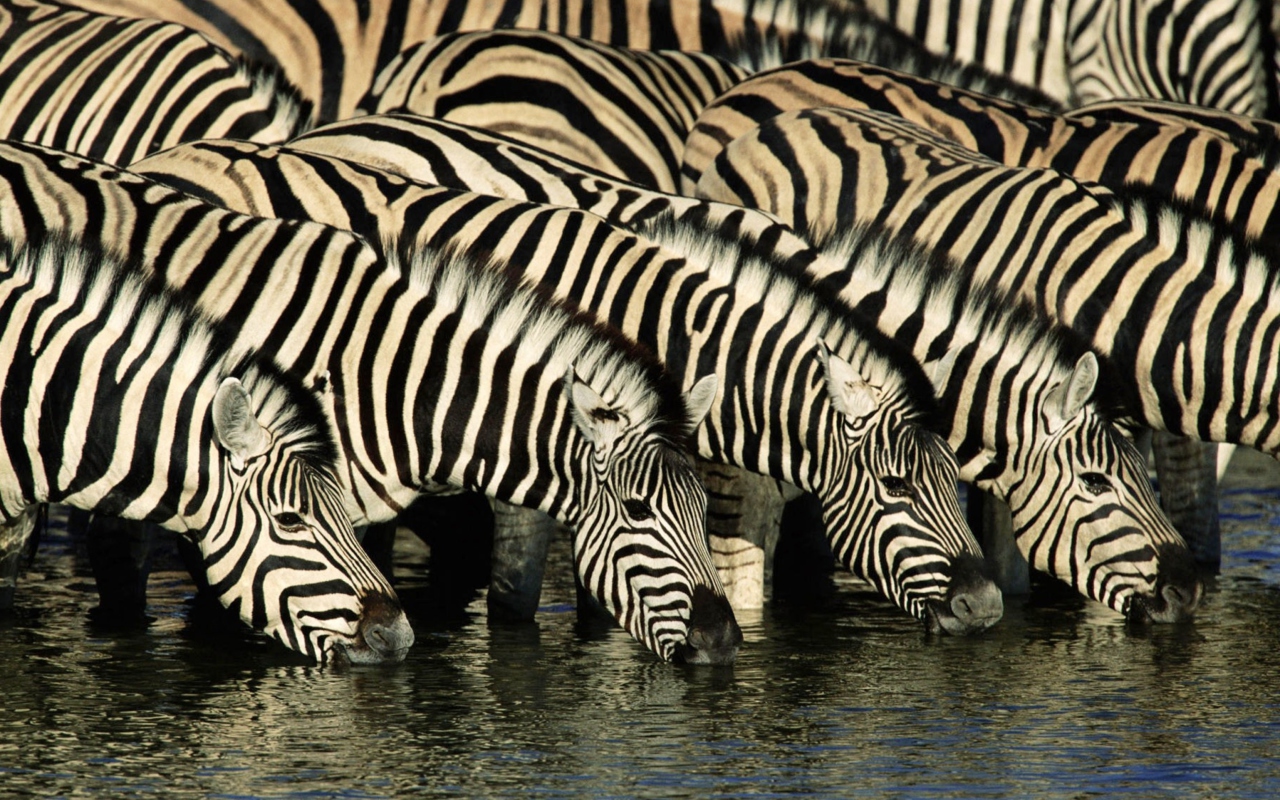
<point x="1061" y="699"/>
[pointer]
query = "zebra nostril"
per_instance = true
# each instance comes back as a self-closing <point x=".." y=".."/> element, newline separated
<point x="383" y="634"/>
<point x="714" y="636"/>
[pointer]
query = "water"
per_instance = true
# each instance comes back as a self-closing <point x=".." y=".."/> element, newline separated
<point x="1061" y="699"/>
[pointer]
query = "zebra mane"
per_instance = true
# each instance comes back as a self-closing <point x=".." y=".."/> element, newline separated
<point x="286" y="101"/>
<point x="102" y="285"/>
<point x="847" y="333"/>
<point x="497" y="297"/>
<point x="978" y="310"/>
<point x="833" y="29"/>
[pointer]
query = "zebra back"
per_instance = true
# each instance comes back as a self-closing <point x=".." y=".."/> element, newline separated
<point x="625" y="112"/>
<point x="1183" y="162"/>
<point x="1205" y="53"/>
<point x="118" y="89"/>
<point x="1188" y="312"/>
<point x="333" y="50"/>
<point x="473" y="381"/>
<point x="809" y="395"/>
<point x="131" y="403"/>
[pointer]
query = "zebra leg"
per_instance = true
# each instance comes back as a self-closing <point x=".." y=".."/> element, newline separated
<point x="744" y="516"/>
<point x="17" y="540"/>
<point x="1187" y="471"/>
<point x="120" y="557"/>
<point x="992" y="521"/>
<point x="521" y="537"/>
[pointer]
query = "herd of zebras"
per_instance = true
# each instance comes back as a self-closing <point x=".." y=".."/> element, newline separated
<point x="269" y="271"/>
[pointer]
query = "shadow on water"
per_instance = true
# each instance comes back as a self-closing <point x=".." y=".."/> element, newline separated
<point x="847" y="698"/>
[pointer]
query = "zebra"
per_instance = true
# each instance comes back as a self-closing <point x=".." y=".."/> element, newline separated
<point x="1184" y="309"/>
<point x="811" y="395"/>
<point x="1202" y="52"/>
<point x="1182" y="162"/>
<point x="121" y="397"/>
<point x="1041" y="356"/>
<point x="472" y="381"/>
<point x="624" y="111"/>
<point x="333" y="53"/>
<point x="1259" y="138"/>
<point x="119" y="89"/>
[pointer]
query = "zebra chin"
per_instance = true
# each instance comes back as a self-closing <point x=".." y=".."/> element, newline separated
<point x="973" y="602"/>
<point x="383" y="635"/>
<point x="714" y="636"/>
<point x="1177" y="594"/>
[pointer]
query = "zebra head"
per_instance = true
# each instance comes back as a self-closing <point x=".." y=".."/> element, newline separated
<point x="282" y="552"/>
<point x="640" y="541"/>
<point x="891" y="509"/>
<point x="1083" y="509"/>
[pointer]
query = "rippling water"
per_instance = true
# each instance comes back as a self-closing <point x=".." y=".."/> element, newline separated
<point x="1061" y="699"/>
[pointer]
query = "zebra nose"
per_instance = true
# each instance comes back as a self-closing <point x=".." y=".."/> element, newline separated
<point x="714" y="636"/>
<point x="973" y="603"/>
<point x="383" y="634"/>
<point x="1178" y="589"/>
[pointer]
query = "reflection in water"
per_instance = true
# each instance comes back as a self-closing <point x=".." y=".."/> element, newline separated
<point x="1061" y="699"/>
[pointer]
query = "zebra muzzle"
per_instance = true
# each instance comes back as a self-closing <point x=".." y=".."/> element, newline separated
<point x="714" y="636"/>
<point x="383" y="635"/>
<point x="973" y="603"/>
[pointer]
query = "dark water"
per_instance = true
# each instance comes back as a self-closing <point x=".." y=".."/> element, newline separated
<point x="851" y="700"/>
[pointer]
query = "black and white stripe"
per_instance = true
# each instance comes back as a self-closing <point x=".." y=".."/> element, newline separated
<point x="998" y="434"/>
<point x="625" y="112"/>
<point x="1177" y="159"/>
<point x="1204" y="52"/>
<point x="119" y="398"/>
<point x="809" y="395"/>
<point x="1188" y="312"/>
<point x="119" y="89"/>
<point x="333" y="52"/>
<point x="470" y="383"/>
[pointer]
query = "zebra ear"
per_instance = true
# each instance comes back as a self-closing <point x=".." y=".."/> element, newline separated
<point x="699" y="399"/>
<point x="941" y="372"/>
<point x="1066" y="400"/>
<point x="601" y="424"/>
<point x="235" y="425"/>
<point x="850" y="393"/>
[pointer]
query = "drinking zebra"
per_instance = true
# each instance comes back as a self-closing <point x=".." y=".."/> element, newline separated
<point x="1186" y="310"/>
<point x="810" y="395"/>
<point x="1000" y="422"/>
<point x="471" y="381"/>
<point x="121" y="398"/>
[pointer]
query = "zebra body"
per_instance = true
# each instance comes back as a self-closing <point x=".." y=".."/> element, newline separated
<point x="1183" y="162"/>
<point x="471" y="383"/>
<point x="1186" y="311"/>
<point x="334" y="49"/>
<point x="807" y="396"/>
<point x="119" y="398"/>
<point x="1258" y="137"/>
<point x="118" y="89"/>
<point x="999" y="436"/>
<point x="625" y="112"/>
<point x="1204" y="52"/>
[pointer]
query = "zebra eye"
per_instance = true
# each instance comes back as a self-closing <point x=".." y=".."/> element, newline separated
<point x="895" y="486"/>
<point x="1095" y="482"/>
<point x="290" y="521"/>
<point x="638" y="509"/>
